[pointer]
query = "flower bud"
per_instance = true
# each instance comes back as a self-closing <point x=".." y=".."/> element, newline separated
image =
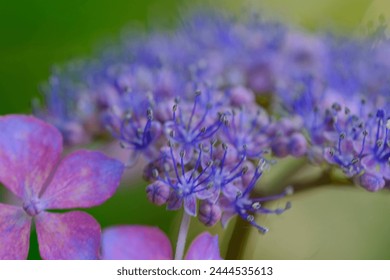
<point x="209" y="214"/>
<point x="372" y="182"/>
<point x="158" y="192"/>
<point x="297" y="145"/>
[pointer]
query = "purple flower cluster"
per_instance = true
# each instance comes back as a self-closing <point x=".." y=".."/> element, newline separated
<point x="186" y="102"/>
<point x="345" y="108"/>
<point x="208" y="104"/>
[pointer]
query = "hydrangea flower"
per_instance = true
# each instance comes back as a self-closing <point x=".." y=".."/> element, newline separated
<point x="210" y="103"/>
<point x="150" y="243"/>
<point x="32" y="169"/>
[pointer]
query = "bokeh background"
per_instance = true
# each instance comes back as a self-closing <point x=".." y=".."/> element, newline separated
<point x="329" y="223"/>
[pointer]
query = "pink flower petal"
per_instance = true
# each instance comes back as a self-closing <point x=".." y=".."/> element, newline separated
<point x="135" y="243"/>
<point x="204" y="247"/>
<point x="74" y="235"/>
<point x="83" y="179"/>
<point x="15" y="228"/>
<point x="29" y="150"/>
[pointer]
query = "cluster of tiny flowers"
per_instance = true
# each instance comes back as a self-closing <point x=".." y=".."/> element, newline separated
<point x="345" y="106"/>
<point x="207" y="104"/>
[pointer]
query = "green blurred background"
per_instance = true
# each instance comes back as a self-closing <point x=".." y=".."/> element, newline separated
<point x="330" y="223"/>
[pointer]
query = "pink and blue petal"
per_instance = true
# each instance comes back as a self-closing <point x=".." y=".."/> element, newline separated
<point x="74" y="235"/>
<point x="15" y="228"/>
<point x="83" y="179"/>
<point x="29" y="150"/>
<point x="135" y="243"/>
<point x="204" y="247"/>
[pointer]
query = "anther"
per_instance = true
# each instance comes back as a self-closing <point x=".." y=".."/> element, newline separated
<point x="155" y="173"/>
<point x="166" y="167"/>
<point x="380" y="114"/>
<point x="128" y="116"/>
<point x="149" y="113"/>
<point x="250" y="218"/>
<point x="355" y="160"/>
<point x="256" y="205"/>
<point x="224" y="146"/>
<point x="336" y="107"/>
<point x="289" y="190"/>
<point x="264" y="231"/>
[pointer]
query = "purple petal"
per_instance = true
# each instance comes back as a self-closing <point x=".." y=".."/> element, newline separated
<point x="83" y="179"/>
<point x="135" y="243"/>
<point x="204" y="247"/>
<point x="174" y="201"/>
<point x="190" y="205"/>
<point x="29" y="150"/>
<point x="15" y="228"/>
<point x="74" y="235"/>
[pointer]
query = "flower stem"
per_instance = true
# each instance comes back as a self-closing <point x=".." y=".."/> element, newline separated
<point x="181" y="239"/>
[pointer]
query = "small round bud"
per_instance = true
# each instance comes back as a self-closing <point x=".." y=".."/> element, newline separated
<point x="241" y="96"/>
<point x="74" y="133"/>
<point x="209" y="214"/>
<point x="297" y="145"/>
<point x="158" y="192"/>
<point x="372" y="182"/>
<point x="280" y="147"/>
